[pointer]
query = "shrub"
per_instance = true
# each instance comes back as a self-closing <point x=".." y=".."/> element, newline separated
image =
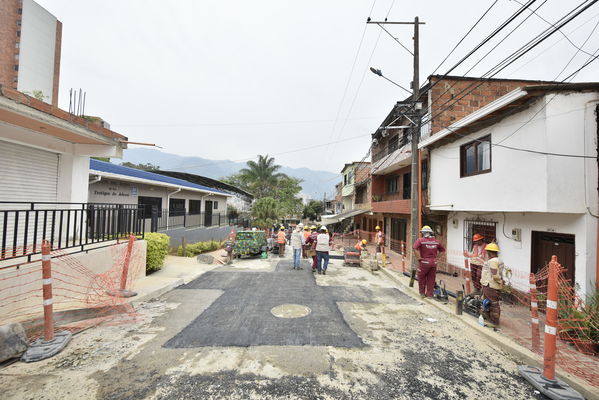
<point x="194" y="249"/>
<point x="157" y="250"/>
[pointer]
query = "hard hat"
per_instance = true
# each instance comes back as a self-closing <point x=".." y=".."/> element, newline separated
<point x="477" y="237"/>
<point x="492" y="247"/>
<point x="313" y="227"/>
<point x="300" y="225"/>
<point x="426" y="228"/>
<point x="306" y="228"/>
<point x="378" y="228"/>
<point x="364" y="241"/>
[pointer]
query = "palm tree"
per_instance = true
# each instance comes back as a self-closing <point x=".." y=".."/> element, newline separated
<point x="261" y="176"/>
<point x="265" y="212"/>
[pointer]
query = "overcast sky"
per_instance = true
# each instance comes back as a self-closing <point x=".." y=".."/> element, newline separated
<point x="233" y="79"/>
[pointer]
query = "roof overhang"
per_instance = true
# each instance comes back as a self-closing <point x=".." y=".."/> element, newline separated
<point x="511" y="103"/>
<point x="332" y="219"/>
<point x="20" y="110"/>
<point x="119" y="177"/>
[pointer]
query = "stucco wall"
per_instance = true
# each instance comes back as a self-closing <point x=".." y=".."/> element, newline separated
<point x="523" y="181"/>
<point x="123" y="192"/>
<point x="37" y="50"/>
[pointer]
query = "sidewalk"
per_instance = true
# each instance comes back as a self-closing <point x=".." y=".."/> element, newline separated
<point x="176" y="271"/>
<point x="514" y="334"/>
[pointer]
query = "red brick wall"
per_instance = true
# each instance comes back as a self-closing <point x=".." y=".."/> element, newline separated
<point x="448" y="90"/>
<point x="57" y="52"/>
<point x="8" y="41"/>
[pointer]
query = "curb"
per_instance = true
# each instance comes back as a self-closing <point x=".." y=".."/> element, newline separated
<point x="505" y="343"/>
<point x="157" y="292"/>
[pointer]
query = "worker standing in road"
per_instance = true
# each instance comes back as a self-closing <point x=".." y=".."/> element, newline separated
<point x="297" y="243"/>
<point x="477" y="256"/>
<point x="311" y="244"/>
<point x="281" y="241"/>
<point x="492" y="281"/>
<point x="426" y="250"/>
<point x="306" y="236"/>
<point x="323" y="246"/>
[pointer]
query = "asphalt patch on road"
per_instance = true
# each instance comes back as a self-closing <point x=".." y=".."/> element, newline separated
<point x="242" y="317"/>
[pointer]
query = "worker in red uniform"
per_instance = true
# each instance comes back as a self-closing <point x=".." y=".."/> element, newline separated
<point x="427" y="249"/>
<point x="361" y="246"/>
<point x="311" y="243"/>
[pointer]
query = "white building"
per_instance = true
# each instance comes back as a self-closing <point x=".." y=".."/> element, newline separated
<point x="171" y="202"/>
<point x="523" y="170"/>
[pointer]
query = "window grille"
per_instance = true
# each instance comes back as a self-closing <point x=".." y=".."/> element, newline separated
<point x="486" y="228"/>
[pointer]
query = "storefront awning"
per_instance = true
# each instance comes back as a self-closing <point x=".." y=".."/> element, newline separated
<point x="332" y="219"/>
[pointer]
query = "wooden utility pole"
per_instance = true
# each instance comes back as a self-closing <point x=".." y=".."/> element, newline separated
<point x="415" y="116"/>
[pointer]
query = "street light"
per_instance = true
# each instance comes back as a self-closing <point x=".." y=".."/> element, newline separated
<point x="380" y="73"/>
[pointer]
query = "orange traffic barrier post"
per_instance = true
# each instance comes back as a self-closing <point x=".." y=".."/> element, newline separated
<point x="122" y="291"/>
<point x="52" y="343"/>
<point x="545" y="381"/>
<point x="534" y="314"/>
<point x="467" y="274"/>
<point x="403" y="256"/>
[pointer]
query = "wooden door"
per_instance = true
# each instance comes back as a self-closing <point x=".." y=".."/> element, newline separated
<point x="547" y="244"/>
<point x="208" y="213"/>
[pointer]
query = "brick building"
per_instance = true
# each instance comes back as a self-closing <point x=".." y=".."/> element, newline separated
<point x="446" y="99"/>
<point x="30" y="46"/>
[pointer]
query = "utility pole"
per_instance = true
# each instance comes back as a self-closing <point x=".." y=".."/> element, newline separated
<point x="415" y="116"/>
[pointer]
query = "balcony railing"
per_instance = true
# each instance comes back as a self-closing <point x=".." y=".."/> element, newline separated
<point x="25" y="225"/>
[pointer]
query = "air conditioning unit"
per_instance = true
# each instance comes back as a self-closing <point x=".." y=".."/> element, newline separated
<point x="385" y="133"/>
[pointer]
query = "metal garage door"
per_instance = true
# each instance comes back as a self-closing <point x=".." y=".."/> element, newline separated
<point x="27" y="174"/>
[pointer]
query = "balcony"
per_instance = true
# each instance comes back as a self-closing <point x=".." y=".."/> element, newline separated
<point x="399" y="158"/>
<point x="391" y="206"/>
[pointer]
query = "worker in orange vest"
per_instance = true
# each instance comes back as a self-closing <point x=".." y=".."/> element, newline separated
<point x="361" y="246"/>
<point x="306" y="246"/>
<point x="281" y="241"/>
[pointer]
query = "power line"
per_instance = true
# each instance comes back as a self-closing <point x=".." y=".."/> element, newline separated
<point x="514" y="56"/>
<point x="465" y="36"/>
<point x="314" y="121"/>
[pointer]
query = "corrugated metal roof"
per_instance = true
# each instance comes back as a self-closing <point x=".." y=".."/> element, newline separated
<point x="103" y="166"/>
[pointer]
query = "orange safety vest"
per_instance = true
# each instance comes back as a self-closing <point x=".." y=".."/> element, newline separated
<point x="281" y="237"/>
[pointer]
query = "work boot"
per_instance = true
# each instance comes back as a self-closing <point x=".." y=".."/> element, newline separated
<point x="324" y="272"/>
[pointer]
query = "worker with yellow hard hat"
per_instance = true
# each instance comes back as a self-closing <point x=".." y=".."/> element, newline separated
<point x="427" y="250"/>
<point x="361" y="246"/>
<point x="305" y="246"/>
<point x="492" y="281"/>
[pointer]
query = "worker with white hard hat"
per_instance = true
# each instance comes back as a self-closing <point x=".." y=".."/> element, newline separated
<point x="427" y="249"/>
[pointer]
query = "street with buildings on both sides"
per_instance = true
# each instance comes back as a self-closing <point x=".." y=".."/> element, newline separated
<point x="356" y="335"/>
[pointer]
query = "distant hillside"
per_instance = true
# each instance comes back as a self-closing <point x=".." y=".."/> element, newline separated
<point x="315" y="183"/>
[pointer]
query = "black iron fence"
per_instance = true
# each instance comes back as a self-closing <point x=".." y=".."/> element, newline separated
<point x="180" y="218"/>
<point x="25" y="225"/>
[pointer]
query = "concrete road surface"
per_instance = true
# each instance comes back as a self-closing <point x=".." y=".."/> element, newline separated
<point x="260" y="330"/>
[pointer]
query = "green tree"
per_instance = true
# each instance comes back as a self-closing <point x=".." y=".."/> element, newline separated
<point x="261" y="176"/>
<point x="313" y="210"/>
<point x="286" y="194"/>
<point x="265" y="212"/>
<point x="144" y="167"/>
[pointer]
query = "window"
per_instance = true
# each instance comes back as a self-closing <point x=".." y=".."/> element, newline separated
<point x="486" y="228"/>
<point x="215" y="205"/>
<point x="176" y="207"/>
<point x="17" y="45"/>
<point x="20" y="11"/>
<point x="407" y="185"/>
<point x="475" y="157"/>
<point x="195" y="207"/>
<point x="18" y="33"/>
<point x="18" y="22"/>
<point x="16" y="67"/>
<point x="150" y="203"/>
<point x="424" y="173"/>
<point x="392" y="184"/>
<point x="350" y="178"/>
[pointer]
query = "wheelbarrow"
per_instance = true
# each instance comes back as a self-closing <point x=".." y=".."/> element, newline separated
<point x="351" y="256"/>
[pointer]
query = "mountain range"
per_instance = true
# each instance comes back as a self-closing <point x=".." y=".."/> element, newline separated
<point x="314" y="183"/>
